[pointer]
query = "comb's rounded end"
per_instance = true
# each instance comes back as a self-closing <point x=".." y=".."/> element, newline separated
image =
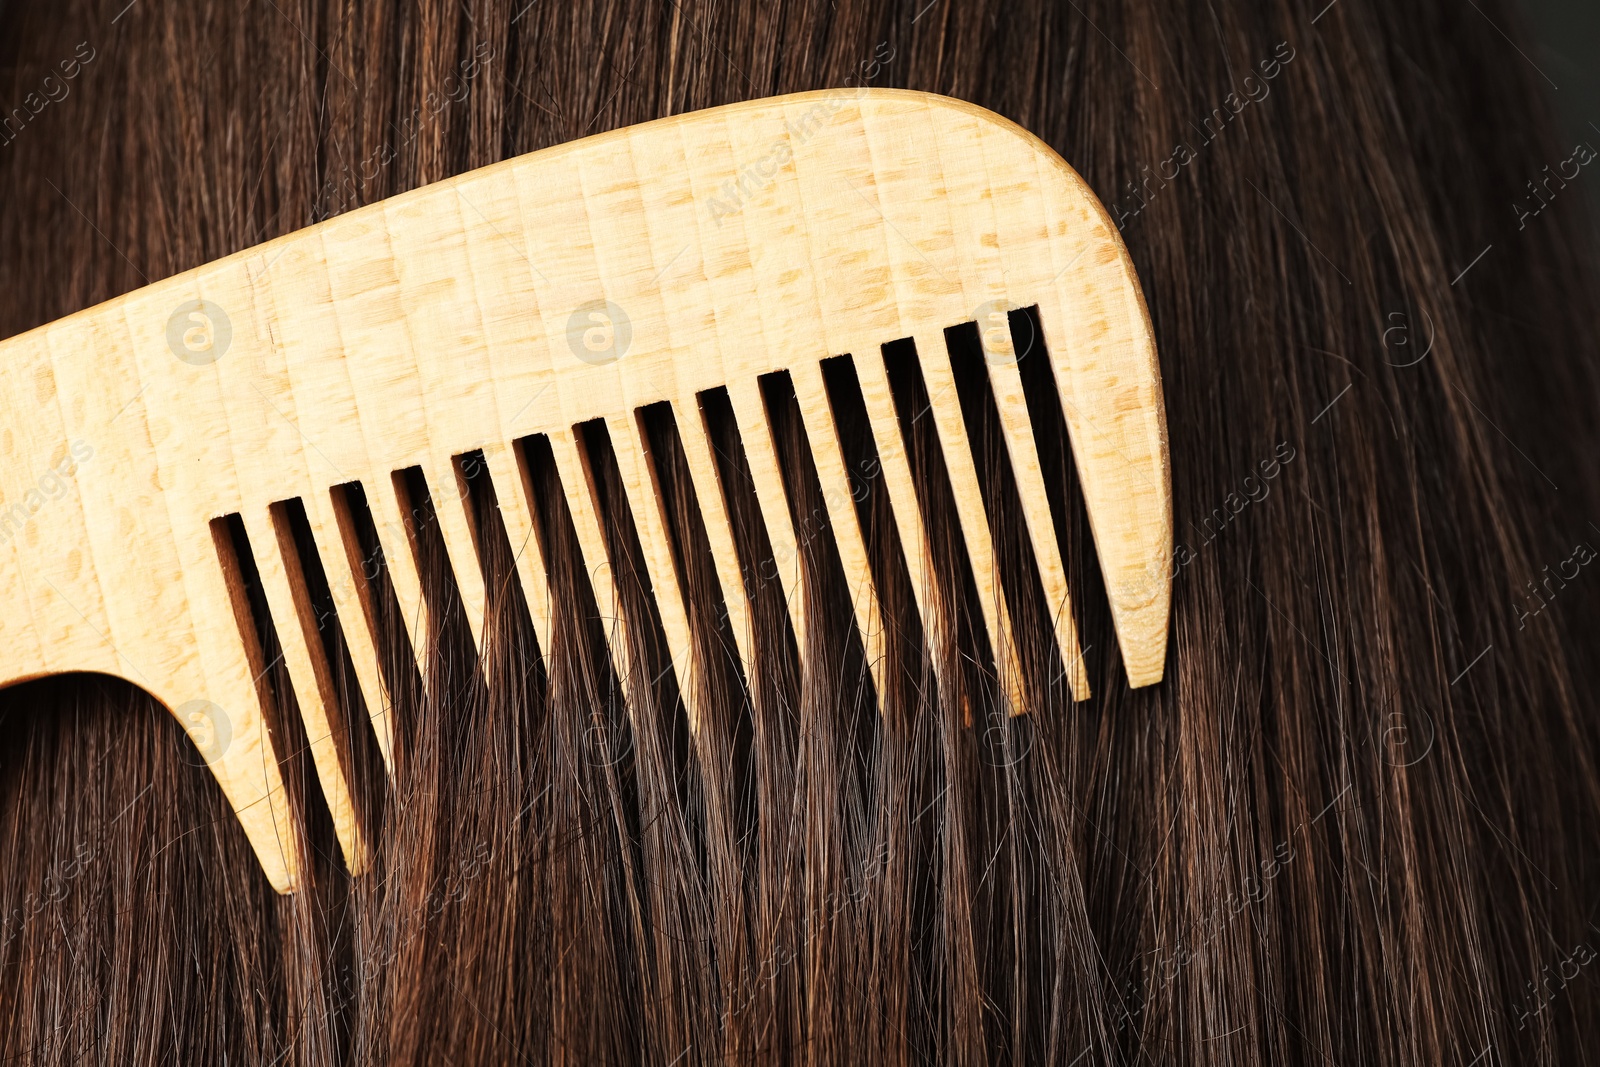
<point x="1101" y="345"/>
<point x="1058" y="246"/>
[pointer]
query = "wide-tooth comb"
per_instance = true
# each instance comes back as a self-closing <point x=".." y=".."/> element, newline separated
<point x="647" y="265"/>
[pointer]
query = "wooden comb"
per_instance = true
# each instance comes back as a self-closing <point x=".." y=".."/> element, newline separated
<point x="649" y="265"/>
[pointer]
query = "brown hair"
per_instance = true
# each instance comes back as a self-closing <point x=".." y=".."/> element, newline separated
<point x="1358" y="822"/>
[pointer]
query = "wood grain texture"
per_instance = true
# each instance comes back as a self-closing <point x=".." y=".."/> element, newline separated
<point x="644" y="265"/>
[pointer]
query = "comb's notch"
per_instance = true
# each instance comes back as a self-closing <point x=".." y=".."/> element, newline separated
<point x="191" y="464"/>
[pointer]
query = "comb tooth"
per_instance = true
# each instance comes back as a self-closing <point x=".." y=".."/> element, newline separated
<point x="228" y="721"/>
<point x="340" y="553"/>
<point x="294" y="618"/>
<point x="514" y="497"/>
<point x="843" y="519"/>
<point x="1005" y="382"/>
<point x="579" y="491"/>
<point x="639" y="479"/>
<point x="945" y="406"/>
<point x="749" y="413"/>
<point x="451" y="505"/>
<point x="393" y="526"/>
<point x="1122" y="466"/>
<point x="719" y="531"/>
<point x="885" y="424"/>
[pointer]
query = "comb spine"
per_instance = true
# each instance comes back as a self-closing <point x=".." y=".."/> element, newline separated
<point x="32" y="645"/>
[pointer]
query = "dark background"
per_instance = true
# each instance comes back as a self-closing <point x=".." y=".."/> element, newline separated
<point x="1565" y="39"/>
<point x="1565" y="36"/>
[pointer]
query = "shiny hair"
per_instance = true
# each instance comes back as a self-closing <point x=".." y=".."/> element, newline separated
<point x="1358" y="822"/>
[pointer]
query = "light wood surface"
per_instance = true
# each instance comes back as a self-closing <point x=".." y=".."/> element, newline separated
<point x="704" y="250"/>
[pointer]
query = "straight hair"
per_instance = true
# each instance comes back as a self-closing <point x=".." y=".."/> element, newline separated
<point x="1358" y="822"/>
